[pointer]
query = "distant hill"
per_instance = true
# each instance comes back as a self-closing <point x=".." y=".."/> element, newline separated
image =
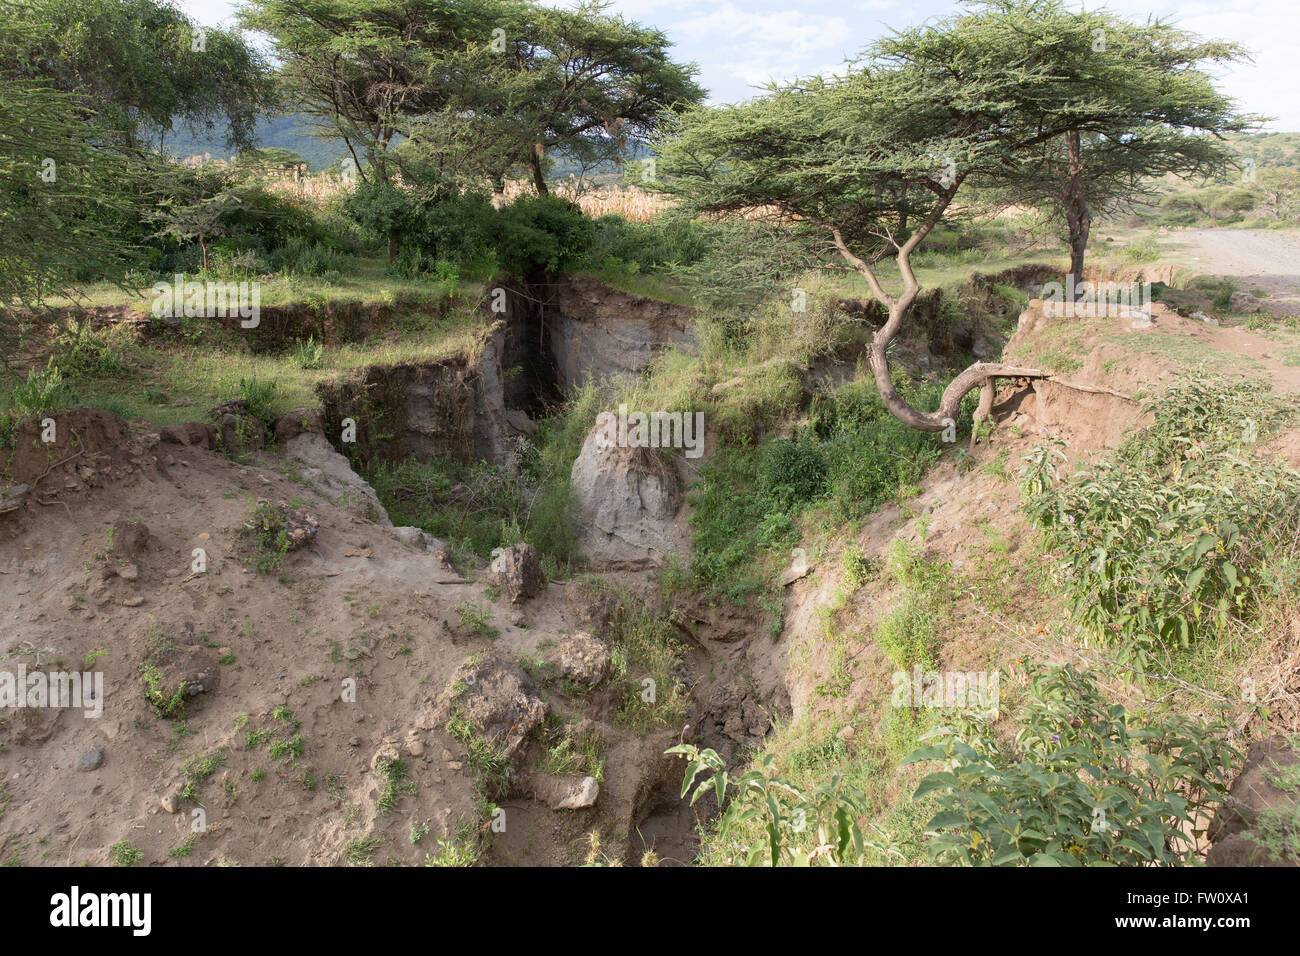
<point x="293" y="131"/>
<point x="290" y="131"/>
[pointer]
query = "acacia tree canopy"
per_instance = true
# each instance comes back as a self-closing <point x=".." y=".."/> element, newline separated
<point x="867" y="163"/>
<point x="472" y="86"/>
<point x="136" y="66"/>
<point x="1119" y="103"/>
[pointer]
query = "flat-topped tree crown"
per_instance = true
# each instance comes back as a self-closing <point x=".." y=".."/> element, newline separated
<point x="867" y="163"/>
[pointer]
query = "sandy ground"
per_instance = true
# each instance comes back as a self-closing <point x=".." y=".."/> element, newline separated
<point x="1257" y="260"/>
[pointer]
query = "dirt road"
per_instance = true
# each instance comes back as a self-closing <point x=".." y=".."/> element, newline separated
<point x="1257" y="260"/>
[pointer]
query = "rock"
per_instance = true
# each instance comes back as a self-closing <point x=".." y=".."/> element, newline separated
<point x="1202" y="317"/>
<point x="298" y="422"/>
<point x="196" y="434"/>
<point x="135" y="601"/>
<point x="90" y="760"/>
<point x="170" y="803"/>
<point x="517" y="571"/>
<point x="1244" y="302"/>
<point x="799" y="568"/>
<point x="580" y="658"/>
<point x="498" y="700"/>
<point x="238" y="430"/>
<point x="332" y="475"/>
<point x="415" y="747"/>
<point x="568" y="792"/>
<point x="128" y="572"/>
<point x="1262" y="796"/>
<point x="626" y="499"/>
<point x="415" y="538"/>
<point x="13" y="497"/>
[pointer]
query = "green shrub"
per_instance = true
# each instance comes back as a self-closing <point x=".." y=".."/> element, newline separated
<point x="540" y="235"/>
<point x="1164" y="541"/>
<point x="83" y="351"/>
<point x="783" y="812"/>
<point x="791" y="473"/>
<point x="1082" y="783"/>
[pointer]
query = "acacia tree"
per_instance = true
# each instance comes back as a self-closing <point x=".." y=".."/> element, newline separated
<point x="1122" y="103"/>
<point x="136" y="67"/>
<point x="860" y="166"/>
<point x="868" y="163"/>
<point x="582" y="81"/>
<point x="364" y="68"/>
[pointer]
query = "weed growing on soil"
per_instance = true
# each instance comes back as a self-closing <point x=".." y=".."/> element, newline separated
<point x="124" y="853"/>
<point x="264" y="528"/>
<point x="396" y="782"/>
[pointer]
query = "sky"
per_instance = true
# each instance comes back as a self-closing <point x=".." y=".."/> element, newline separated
<point x="741" y="44"/>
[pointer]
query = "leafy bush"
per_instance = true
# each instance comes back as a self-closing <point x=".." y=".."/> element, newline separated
<point x="829" y="812"/>
<point x="300" y="257"/>
<point x="82" y="350"/>
<point x="908" y="632"/>
<point x="260" y="398"/>
<point x="1081" y="783"/>
<point x="792" y="472"/>
<point x="537" y="235"/>
<point x="662" y="244"/>
<point x="1163" y="541"/>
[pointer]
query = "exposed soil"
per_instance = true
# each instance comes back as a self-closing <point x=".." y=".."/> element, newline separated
<point x="1257" y="260"/>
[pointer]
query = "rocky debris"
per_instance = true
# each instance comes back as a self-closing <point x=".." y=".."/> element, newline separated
<point x="90" y="760"/>
<point x="518" y="572"/>
<point x="238" y="430"/>
<point x="420" y="540"/>
<point x="299" y="527"/>
<point x="298" y="422"/>
<point x="332" y="474"/>
<point x="734" y="715"/>
<point x="565" y="792"/>
<point x="196" y="434"/>
<point x="178" y="674"/>
<point x="387" y="753"/>
<point x="1244" y="302"/>
<point x="580" y="658"/>
<point x="595" y="609"/>
<point x="13" y="497"/>
<point x="626" y="501"/>
<point x="1263" y="802"/>
<point x="498" y="700"/>
<point x="723" y="622"/>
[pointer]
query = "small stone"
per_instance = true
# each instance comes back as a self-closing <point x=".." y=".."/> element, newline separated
<point x="133" y="601"/>
<point x="455" y="765"/>
<point x="90" y="760"/>
<point x="128" y="572"/>
<point x="170" y="803"/>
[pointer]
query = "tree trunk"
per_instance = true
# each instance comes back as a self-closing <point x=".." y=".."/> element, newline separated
<point x="535" y="156"/>
<point x="1077" y="217"/>
<point x="980" y="375"/>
